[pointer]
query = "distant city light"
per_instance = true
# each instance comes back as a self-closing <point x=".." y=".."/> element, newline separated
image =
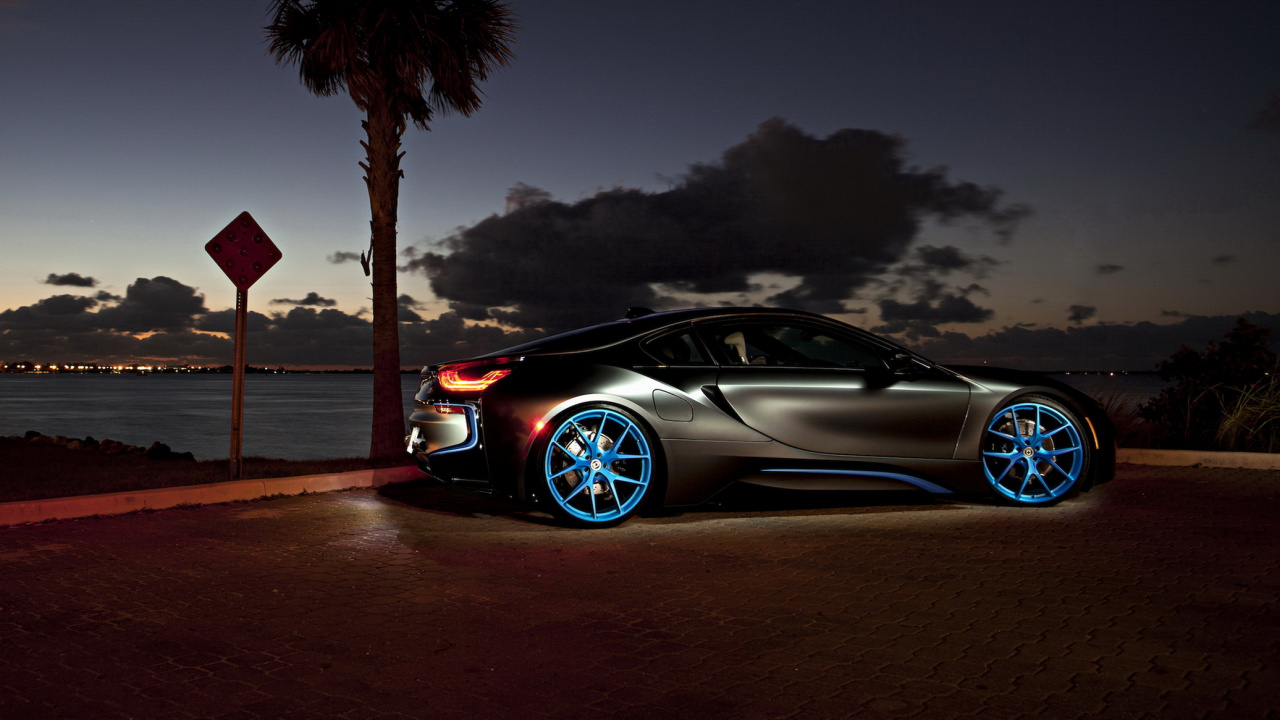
<point x="139" y="368"/>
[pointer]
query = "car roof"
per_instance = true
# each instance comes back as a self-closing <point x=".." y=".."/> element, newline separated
<point x="611" y="333"/>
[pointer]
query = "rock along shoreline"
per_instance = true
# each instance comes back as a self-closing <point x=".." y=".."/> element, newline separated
<point x="156" y="451"/>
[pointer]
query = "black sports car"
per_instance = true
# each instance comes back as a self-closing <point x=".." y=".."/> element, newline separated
<point x="671" y="408"/>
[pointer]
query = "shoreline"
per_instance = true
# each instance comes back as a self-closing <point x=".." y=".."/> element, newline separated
<point x="41" y="471"/>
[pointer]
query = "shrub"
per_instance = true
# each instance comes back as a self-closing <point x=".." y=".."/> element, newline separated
<point x="1220" y="399"/>
<point x="1122" y="410"/>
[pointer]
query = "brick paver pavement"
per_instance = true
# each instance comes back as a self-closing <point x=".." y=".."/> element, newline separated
<point x="1154" y="596"/>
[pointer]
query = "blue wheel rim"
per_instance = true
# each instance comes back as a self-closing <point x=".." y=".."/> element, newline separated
<point x="598" y="466"/>
<point x="1032" y="453"/>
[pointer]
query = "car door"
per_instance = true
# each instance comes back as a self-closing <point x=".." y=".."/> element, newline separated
<point x="820" y="388"/>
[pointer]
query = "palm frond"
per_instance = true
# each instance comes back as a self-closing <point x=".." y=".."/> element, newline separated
<point x="420" y="56"/>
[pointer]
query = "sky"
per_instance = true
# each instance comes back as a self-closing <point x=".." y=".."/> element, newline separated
<point x="1045" y="185"/>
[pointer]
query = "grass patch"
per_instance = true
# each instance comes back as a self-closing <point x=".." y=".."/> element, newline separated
<point x="1252" y="420"/>
<point x="36" y="471"/>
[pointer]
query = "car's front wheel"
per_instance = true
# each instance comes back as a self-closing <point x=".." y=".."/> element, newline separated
<point x="1034" y="452"/>
<point x="596" y="466"/>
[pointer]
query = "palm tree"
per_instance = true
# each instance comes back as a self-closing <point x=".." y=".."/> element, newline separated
<point x="399" y="60"/>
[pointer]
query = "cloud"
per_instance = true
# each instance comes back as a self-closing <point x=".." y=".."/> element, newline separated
<point x="224" y="321"/>
<point x="1080" y="313"/>
<point x="305" y="319"/>
<point x="66" y="304"/>
<point x="1104" y="346"/>
<point x="305" y="337"/>
<point x="829" y="212"/>
<point x="160" y="303"/>
<point x="919" y="319"/>
<point x="924" y="277"/>
<point x="406" y="307"/>
<point x="78" y="329"/>
<point x="933" y="305"/>
<point x="66" y="328"/>
<point x="1109" y="269"/>
<point x="522" y="195"/>
<point x="182" y="347"/>
<point x="1223" y="260"/>
<point x="1267" y="118"/>
<point x="930" y="262"/>
<point x="60" y="313"/>
<point x="949" y="257"/>
<point x="311" y="300"/>
<point x="342" y="257"/>
<point x="449" y="337"/>
<point x="73" y="279"/>
<point x="107" y="347"/>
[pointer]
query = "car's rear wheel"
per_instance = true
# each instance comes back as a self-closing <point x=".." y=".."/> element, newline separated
<point x="596" y="466"/>
<point x="1034" y="452"/>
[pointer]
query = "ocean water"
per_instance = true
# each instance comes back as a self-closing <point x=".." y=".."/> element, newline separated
<point x="1117" y="389"/>
<point x="295" y="417"/>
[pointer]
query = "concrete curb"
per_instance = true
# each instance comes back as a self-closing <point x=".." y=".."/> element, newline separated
<point x="29" y="511"/>
<point x="1202" y="458"/>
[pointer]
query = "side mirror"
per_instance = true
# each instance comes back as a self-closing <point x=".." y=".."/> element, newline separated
<point x="901" y="363"/>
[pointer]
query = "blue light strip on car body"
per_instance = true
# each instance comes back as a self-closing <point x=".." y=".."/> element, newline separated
<point x="909" y="479"/>
<point x="473" y="431"/>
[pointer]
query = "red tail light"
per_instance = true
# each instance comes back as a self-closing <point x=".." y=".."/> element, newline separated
<point x="472" y="377"/>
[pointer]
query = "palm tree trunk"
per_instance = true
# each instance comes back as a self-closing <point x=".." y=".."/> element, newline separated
<point x="382" y="176"/>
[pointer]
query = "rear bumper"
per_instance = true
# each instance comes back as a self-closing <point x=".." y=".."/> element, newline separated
<point x="446" y="440"/>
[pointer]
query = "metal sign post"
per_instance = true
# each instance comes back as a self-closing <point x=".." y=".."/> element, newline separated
<point x="245" y="253"/>
<point x="236" y="461"/>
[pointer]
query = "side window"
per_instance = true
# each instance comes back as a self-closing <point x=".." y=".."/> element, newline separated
<point x="676" y="349"/>
<point x="790" y="345"/>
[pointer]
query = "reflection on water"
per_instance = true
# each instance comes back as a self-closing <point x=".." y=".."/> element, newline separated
<point x="296" y="417"/>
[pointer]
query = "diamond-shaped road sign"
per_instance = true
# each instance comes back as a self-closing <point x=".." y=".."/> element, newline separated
<point x="243" y="251"/>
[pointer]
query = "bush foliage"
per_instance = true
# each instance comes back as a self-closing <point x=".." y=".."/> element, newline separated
<point x="1225" y="398"/>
